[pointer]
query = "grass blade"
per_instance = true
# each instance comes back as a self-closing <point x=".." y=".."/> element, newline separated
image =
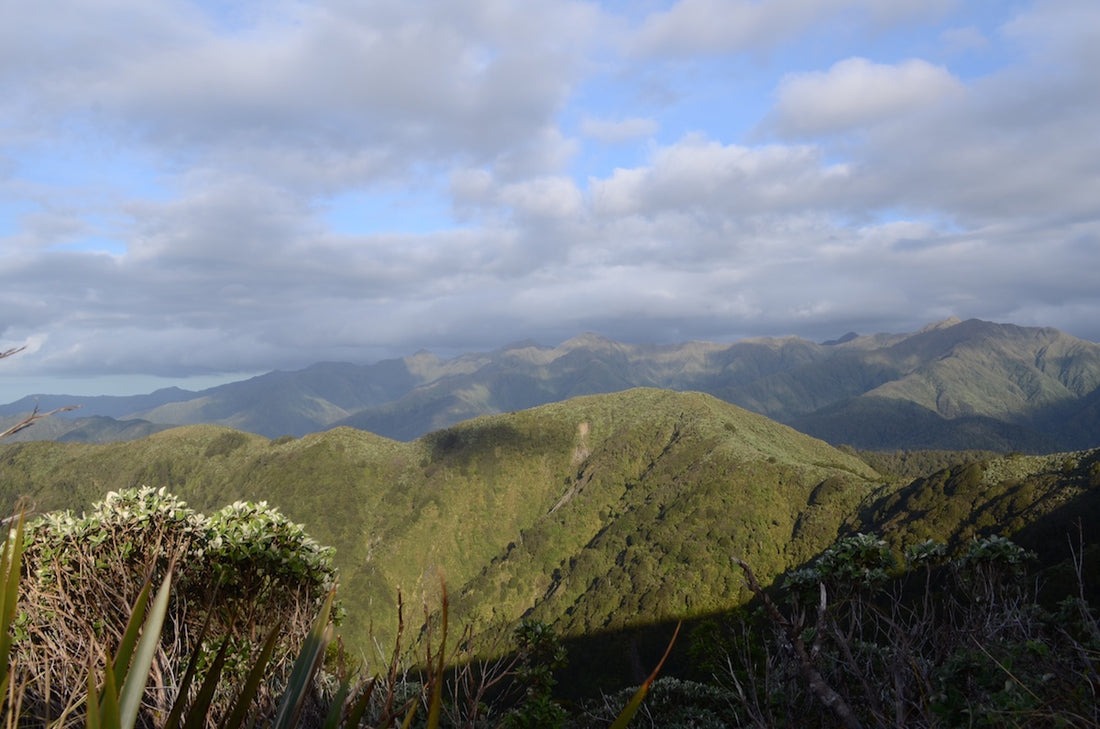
<point x="91" y="718"/>
<point x="252" y="684"/>
<point x="309" y="659"/>
<point x="636" y="701"/>
<point x="11" y="562"/>
<point x="108" y="714"/>
<point x="176" y="713"/>
<point x="133" y="688"/>
<point x="133" y="627"/>
<point x="332" y="719"/>
<point x="409" y="716"/>
<point x="359" y="706"/>
<point x="196" y="717"/>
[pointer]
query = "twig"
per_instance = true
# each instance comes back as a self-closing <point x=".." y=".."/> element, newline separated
<point x="34" y="417"/>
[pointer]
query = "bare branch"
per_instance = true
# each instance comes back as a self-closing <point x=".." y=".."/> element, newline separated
<point x="34" y="417"/>
<point x="825" y="693"/>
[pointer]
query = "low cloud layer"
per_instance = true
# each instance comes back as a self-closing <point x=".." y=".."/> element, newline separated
<point x="188" y="190"/>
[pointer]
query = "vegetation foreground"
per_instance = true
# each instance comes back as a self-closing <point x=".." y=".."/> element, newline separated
<point x="241" y="633"/>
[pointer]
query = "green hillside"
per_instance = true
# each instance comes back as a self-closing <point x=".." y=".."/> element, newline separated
<point x="558" y="511"/>
<point x="1037" y="500"/>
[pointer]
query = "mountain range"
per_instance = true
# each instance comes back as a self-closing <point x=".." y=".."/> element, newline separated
<point x="952" y="385"/>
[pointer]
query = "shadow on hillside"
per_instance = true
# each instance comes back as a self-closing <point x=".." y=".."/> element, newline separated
<point x="606" y="662"/>
<point x="879" y="423"/>
<point x="1073" y="528"/>
<point x="488" y="438"/>
<point x="1073" y="424"/>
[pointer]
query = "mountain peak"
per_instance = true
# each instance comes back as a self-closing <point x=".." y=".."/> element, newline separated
<point x="589" y="340"/>
<point x="842" y="340"/>
<point x="945" y="324"/>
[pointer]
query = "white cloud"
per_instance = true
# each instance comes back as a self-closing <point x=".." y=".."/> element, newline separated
<point x="856" y="92"/>
<point x="544" y="197"/>
<point x="1058" y="30"/>
<point x="387" y="88"/>
<point x="699" y="173"/>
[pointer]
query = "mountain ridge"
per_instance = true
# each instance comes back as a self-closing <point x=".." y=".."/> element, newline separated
<point x="1016" y="388"/>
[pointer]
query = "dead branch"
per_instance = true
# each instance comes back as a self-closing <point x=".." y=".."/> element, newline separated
<point x="35" y="415"/>
<point x="825" y="693"/>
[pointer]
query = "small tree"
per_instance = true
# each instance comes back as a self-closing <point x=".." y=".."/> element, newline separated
<point x="540" y="653"/>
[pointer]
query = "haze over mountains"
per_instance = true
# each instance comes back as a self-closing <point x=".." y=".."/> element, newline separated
<point x="953" y="384"/>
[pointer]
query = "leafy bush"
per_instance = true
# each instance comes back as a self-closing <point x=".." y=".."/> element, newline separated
<point x="239" y="573"/>
<point x="540" y="653"/>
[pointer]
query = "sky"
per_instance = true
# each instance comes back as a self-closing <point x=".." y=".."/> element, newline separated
<point x="194" y="192"/>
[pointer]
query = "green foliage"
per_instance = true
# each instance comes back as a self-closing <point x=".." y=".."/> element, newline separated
<point x="540" y="653"/>
<point x="979" y="499"/>
<point x="593" y="516"/>
<point x="672" y="703"/>
<point x="225" y="444"/>
<point x="927" y="554"/>
<point x="860" y="562"/>
<point x="912" y="464"/>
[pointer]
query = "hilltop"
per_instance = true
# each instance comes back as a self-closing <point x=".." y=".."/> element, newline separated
<point x="952" y="385"/>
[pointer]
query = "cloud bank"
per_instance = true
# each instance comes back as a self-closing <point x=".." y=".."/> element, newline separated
<point x="190" y="190"/>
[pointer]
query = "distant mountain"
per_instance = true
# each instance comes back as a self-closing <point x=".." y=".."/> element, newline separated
<point x="954" y="384"/>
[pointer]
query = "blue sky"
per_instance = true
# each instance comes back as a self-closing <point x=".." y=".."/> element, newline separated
<point x="197" y="191"/>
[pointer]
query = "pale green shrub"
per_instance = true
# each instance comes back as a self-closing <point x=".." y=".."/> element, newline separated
<point x="238" y="573"/>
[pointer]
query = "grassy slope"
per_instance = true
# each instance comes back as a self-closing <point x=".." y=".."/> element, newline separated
<point x="668" y="488"/>
<point x="650" y="490"/>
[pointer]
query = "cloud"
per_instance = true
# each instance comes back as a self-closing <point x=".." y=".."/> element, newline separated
<point x="697" y="173"/>
<point x="691" y="27"/>
<point x="965" y="40"/>
<point x="362" y="94"/>
<point x="615" y="132"/>
<point x="855" y="92"/>
<point x="169" y="191"/>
